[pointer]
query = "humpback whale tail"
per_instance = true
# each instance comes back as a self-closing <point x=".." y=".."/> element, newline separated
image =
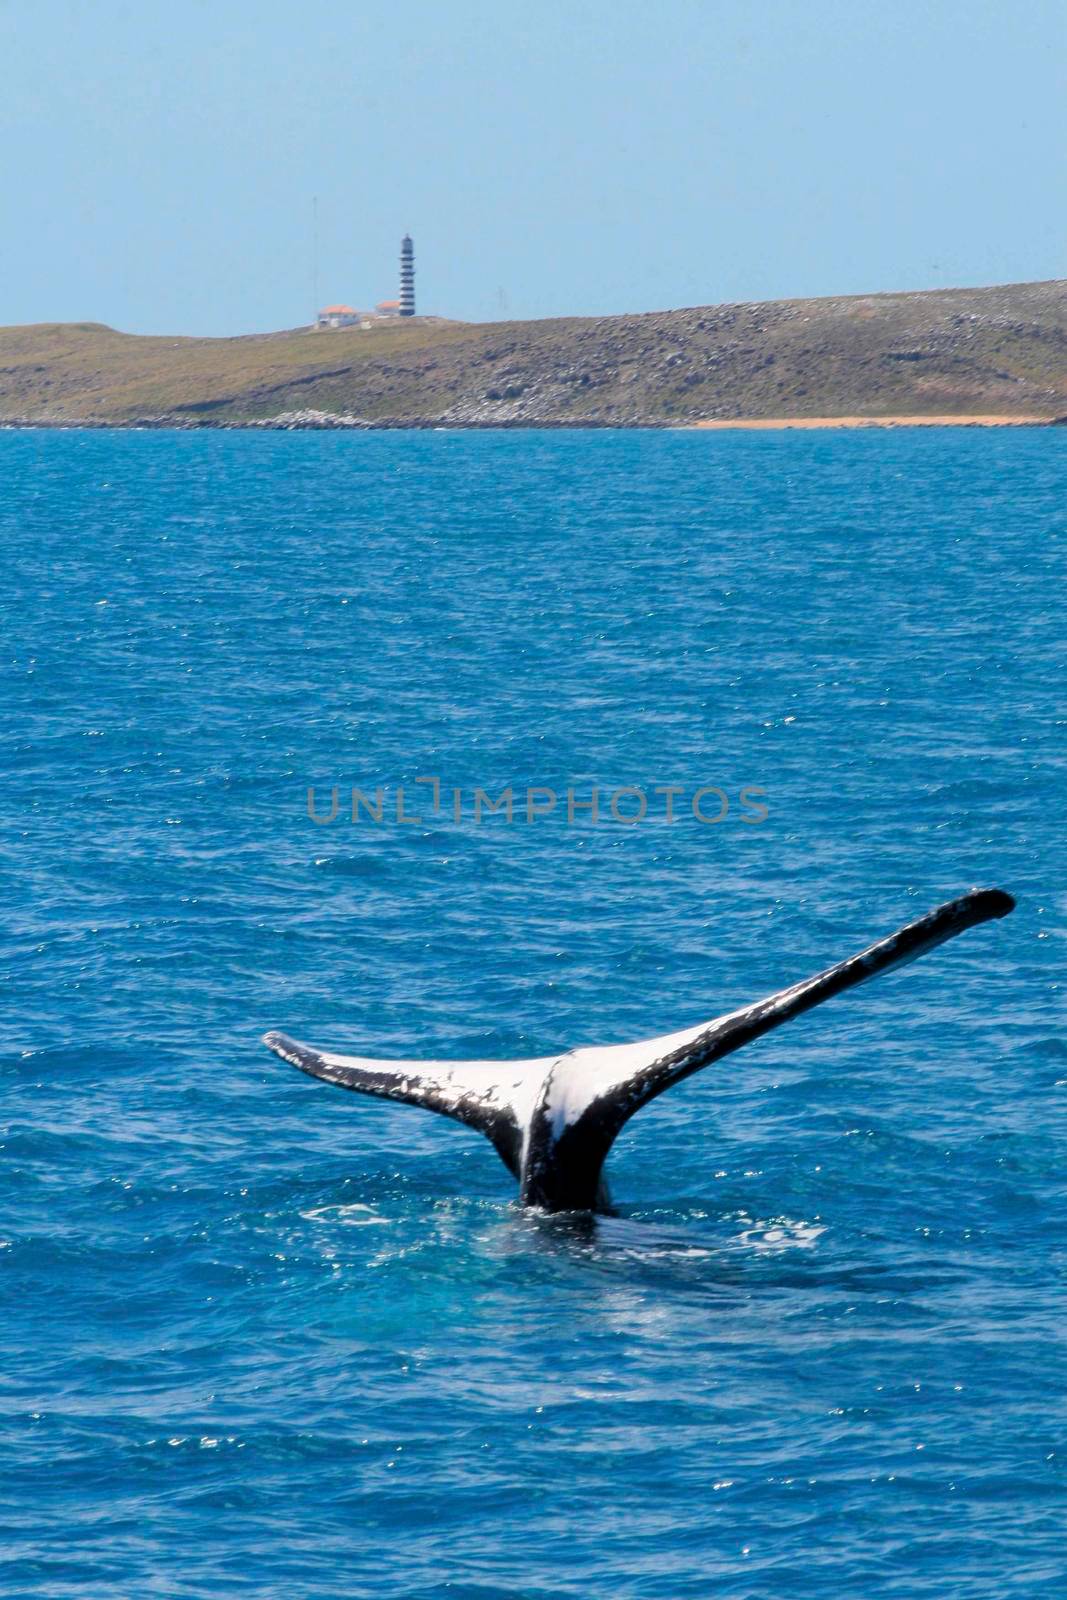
<point x="553" y="1119"/>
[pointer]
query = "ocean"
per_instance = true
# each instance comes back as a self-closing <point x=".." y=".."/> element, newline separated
<point x="263" y="1337"/>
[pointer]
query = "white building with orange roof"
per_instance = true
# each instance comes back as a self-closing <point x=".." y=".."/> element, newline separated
<point x="338" y="317"/>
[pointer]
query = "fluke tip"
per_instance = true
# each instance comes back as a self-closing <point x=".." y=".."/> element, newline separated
<point x="993" y="902"/>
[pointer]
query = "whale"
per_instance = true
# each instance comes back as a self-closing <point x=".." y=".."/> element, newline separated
<point x="553" y="1119"/>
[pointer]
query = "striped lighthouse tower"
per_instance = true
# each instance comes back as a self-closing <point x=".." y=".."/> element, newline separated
<point x="407" y="277"/>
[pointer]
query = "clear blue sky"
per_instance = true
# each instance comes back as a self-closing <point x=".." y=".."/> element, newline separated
<point x="160" y="161"/>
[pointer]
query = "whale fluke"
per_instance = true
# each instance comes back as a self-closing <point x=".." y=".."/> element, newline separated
<point x="553" y="1119"/>
<point x="496" y="1097"/>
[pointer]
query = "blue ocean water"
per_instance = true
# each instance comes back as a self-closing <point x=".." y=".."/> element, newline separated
<point x="264" y="1337"/>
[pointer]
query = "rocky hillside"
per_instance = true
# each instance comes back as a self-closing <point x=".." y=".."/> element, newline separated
<point x="953" y="351"/>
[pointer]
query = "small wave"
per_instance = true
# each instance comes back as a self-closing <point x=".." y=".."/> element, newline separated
<point x="363" y="866"/>
<point x="355" y="1215"/>
<point x="771" y="1238"/>
<point x="1052" y="1049"/>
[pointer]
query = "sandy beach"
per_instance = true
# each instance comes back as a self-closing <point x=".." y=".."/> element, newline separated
<point x="968" y="421"/>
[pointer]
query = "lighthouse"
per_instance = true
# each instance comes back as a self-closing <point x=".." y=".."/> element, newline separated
<point x="407" y="277"/>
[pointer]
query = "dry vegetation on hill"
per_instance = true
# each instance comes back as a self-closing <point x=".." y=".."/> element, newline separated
<point x="954" y="351"/>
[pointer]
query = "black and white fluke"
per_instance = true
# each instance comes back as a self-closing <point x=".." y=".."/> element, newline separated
<point x="552" y="1120"/>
